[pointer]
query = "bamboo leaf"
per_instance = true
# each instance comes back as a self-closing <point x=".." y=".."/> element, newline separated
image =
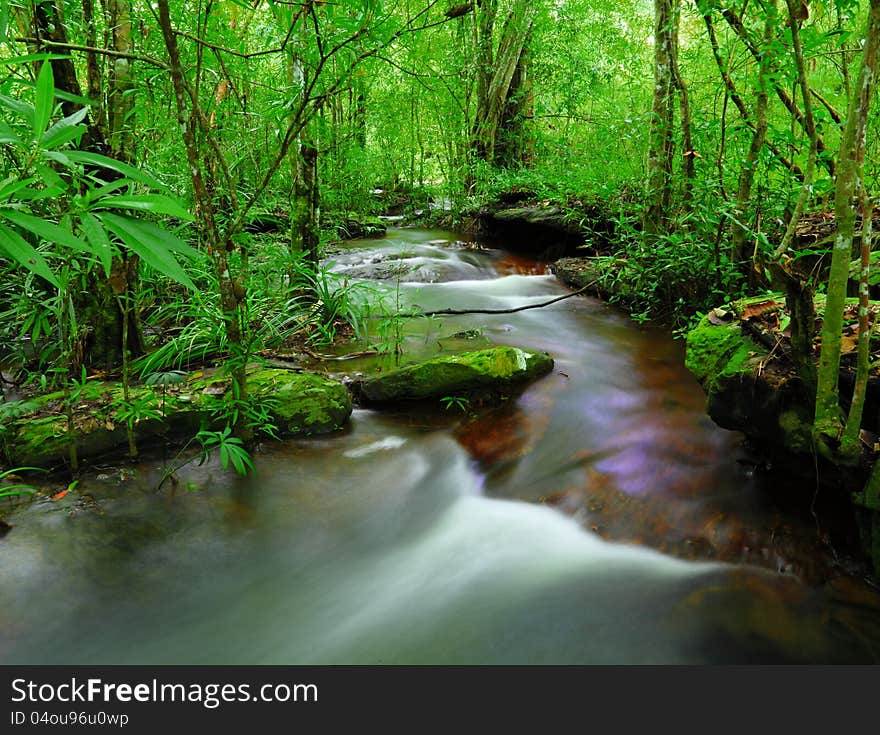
<point x="58" y="157"/>
<point x="19" y="108"/>
<point x="45" y="99"/>
<point x="7" y="135"/>
<point x="97" y="236"/>
<point x="12" y="185"/>
<point x="153" y="247"/>
<point x="96" y="159"/>
<point x="46" y="230"/>
<point x="29" y="58"/>
<point x="65" y="129"/>
<point x="147" y="231"/>
<point x="77" y="99"/>
<point x="17" y="248"/>
<point x="155" y="203"/>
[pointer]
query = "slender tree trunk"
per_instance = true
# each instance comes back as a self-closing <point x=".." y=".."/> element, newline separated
<point x="120" y="100"/>
<point x="689" y="155"/>
<point x="304" y="193"/>
<point x="759" y="136"/>
<point x="661" y="151"/>
<point x="809" y="125"/>
<point x="304" y="217"/>
<point x="97" y="305"/>
<point x="737" y="99"/>
<point x="736" y="24"/>
<point x="828" y="425"/>
<point x="232" y="295"/>
<point x="93" y="66"/>
<point x="850" y="440"/>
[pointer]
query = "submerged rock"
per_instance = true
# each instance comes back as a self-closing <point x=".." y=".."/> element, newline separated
<point x="490" y="370"/>
<point x="297" y="403"/>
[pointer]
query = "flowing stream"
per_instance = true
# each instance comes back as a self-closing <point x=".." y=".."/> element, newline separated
<point x="596" y="516"/>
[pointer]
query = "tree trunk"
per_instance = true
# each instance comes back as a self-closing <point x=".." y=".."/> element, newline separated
<point x="515" y="141"/>
<point x="689" y="155"/>
<point x="741" y="230"/>
<point x="232" y="294"/>
<point x="304" y="214"/>
<point x="120" y="100"/>
<point x="660" y="153"/>
<point x="96" y="303"/>
<point x="491" y="103"/>
<point x="828" y="424"/>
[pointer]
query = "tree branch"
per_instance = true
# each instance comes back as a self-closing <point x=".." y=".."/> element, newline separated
<point x="94" y="50"/>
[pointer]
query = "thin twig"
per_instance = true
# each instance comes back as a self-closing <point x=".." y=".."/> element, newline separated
<point x="449" y="312"/>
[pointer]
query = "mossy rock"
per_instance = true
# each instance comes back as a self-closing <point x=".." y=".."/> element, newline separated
<point x="744" y="392"/>
<point x="610" y="277"/>
<point x="298" y="403"/>
<point x="716" y="351"/>
<point x="489" y="370"/>
<point x="303" y="403"/>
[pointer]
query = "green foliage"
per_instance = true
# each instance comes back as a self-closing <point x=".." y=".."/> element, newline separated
<point x="230" y="449"/>
<point x="9" y="490"/>
<point x="460" y="403"/>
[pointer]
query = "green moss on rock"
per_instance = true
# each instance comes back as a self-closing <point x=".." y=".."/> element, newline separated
<point x="303" y="403"/>
<point x="299" y="404"/>
<point x="744" y="392"/>
<point x="714" y="351"/>
<point x="493" y="368"/>
<point x="797" y="430"/>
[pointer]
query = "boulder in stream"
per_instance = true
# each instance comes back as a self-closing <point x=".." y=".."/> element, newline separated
<point x="490" y="370"/>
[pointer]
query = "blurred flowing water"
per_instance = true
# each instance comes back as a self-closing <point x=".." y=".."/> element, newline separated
<point x="597" y="516"/>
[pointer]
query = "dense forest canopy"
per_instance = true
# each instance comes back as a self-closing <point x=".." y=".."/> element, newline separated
<point x="172" y="170"/>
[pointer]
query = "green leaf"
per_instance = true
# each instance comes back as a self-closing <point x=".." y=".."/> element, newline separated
<point x="45" y="100"/>
<point x="153" y="247"/>
<point x="65" y="129"/>
<point x="96" y="159"/>
<point x="151" y="232"/>
<point x="58" y="157"/>
<point x="95" y="194"/>
<point x="155" y="203"/>
<point x="7" y="135"/>
<point x="51" y="179"/>
<point x="12" y="185"/>
<point x="99" y="240"/>
<point x="28" y="58"/>
<point x="46" y="230"/>
<point x="77" y="99"/>
<point x="19" y="108"/>
<point x="15" y="246"/>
